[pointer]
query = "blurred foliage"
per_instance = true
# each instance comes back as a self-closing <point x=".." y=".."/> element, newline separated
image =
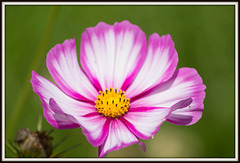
<point x="204" y="39"/>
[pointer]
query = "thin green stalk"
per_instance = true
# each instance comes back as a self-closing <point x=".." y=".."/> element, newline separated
<point x="16" y="149"/>
<point x="24" y="93"/>
<point x="12" y="148"/>
<point x="68" y="149"/>
<point x="39" y="125"/>
<point x="60" y="142"/>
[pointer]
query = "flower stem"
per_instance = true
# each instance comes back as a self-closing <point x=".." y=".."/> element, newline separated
<point x="39" y="125"/>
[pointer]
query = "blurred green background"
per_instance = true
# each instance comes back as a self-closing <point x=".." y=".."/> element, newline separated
<point x="204" y="39"/>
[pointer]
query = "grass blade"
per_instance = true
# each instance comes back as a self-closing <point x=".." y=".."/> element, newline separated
<point x="16" y="149"/>
<point x="60" y="142"/>
<point x="64" y="151"/>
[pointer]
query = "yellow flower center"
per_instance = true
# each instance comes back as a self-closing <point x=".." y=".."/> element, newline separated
<point x="112" y="103"/>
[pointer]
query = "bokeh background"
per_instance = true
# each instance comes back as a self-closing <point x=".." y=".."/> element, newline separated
<point x="204" y="39"/>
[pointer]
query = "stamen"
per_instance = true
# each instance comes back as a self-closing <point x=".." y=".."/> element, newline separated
<point x="112" y="103"/>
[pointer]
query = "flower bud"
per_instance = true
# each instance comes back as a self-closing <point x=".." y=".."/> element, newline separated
<point x="34" y="144"/>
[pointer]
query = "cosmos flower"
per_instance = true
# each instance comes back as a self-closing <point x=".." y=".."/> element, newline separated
<point x="125" y="89"/>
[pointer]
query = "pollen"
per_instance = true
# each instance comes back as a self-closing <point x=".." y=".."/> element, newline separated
<point x="112" y="103"/>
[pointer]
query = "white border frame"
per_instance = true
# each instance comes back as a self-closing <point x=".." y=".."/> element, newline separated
<point x="120" y="3"/>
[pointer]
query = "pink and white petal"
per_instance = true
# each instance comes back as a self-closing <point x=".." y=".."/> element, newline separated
<point x="144" y="122"/>
<point x="160" y="63"/>
<point x="63" y="65"/>
<point x="190" y="114"/>
<point x="119" y="136"/>
<point x="47" y="90"/>
<point x="112" y="55"/>
<point x="185" y="83"/>
<point x="142" y="145"/>
<point x="94" y="126"/>
<point x="57" y="119"/>
<point x="62" y="111"/>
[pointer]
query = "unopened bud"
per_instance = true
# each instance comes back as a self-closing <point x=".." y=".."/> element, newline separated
<point x="34" y="144"/>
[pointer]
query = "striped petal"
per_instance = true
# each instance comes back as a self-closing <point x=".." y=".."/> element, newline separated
<point x="160" y="64"/>
<point x="112" y="55"/>
<point x="47" y="90"/>
<point x="185" y="83"/>
<point x="119" y="136"/>
<point x="189" y="114"/>
<point x="63" y="66"/>
<point x="94" y="126"/>
<point x="62" y="111"/>
<point x="56" y="117"/>
<point x="144" y="122"/>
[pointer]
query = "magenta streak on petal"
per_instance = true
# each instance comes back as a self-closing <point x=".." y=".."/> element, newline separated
<point x="93" y="124"/>
<point x="92" y="114"/>
<point x="143" y="109"/>
<point x="63" y="66"/>
<point x="46" y="90"/>
<point x="145" y="124"/>
<point x="180" y="119"/>
<point x="188" y="115"/>
<point x="190" y="84"/>
<point x="57" y="111"/>
<point x="56" y="120"/>
<point x="159" y="65"/>
<point x="136" y="69"/>
<point x="106" y="57"/>
<point x="140" y="134"/>
<point x="119" y="137"/>
<point x="86" y="40"/>
<point x="182" y="104"/>
<point x="164" y="42"/>
<point x="181" y="76"/>
<point x="158" y="88"/>
<point x="54" y="106"/>
<point x="63" y="87"/>
<point x="140" y="39"/>
<point x="141" y="144"/>
<point x="95" y="82"/>
<point x="185" y="83"/>
<point x="86" y="122"/>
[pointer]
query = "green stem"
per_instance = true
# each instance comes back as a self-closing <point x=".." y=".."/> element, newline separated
<point x="24" y="93"/>
<point x="68" y="149"/>
<point x="39" y="125"/>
